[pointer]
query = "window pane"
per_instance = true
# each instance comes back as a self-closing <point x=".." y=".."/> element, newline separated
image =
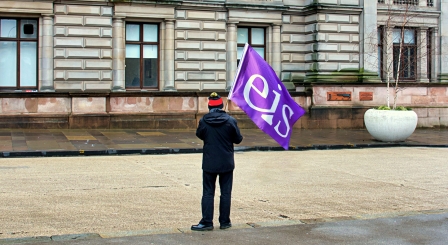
<point x="28" y="65"/>
<point x="149" y="33"/>
<point x="260" y="51"/>
<point x="8" y="28"/>
<point x="239" y="52"/>
<point x="257" y="36"/>
<point x="413" y="60"/>
<point x="132" y="70"/>
<point x="396" y="35"/>
<point x="150" y="72"/>
<point x="8" y="64"/>
<point x="396" y="54"/>
<point x="150" y="51"/>
<point x="28" y="28"/>
<point x="132" y="32"/>
<point x="409" y="36"/>
<point x="132" y="51"/>
<point x="405" y="63"/>
<point x="243" y="35"/>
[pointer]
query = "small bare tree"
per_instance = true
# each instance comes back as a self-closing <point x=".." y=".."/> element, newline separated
<point x="400" y="48"/>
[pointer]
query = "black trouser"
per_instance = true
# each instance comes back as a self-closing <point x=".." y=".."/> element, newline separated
<point x="208" y="195"/>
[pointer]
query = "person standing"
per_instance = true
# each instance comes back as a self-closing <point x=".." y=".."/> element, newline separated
<point x="219" y="132"/>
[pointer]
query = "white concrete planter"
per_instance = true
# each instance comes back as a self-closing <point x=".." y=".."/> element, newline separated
<point x="390" y="125"/>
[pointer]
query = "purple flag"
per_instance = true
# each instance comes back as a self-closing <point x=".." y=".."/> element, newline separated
<point x="262" y="96"/>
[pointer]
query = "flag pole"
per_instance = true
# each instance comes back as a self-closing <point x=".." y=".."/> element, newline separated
<point x="237" y="72"/>
<point x="229" y="97"/>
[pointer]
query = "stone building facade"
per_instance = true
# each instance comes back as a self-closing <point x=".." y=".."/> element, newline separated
<point x="152" y="64"/>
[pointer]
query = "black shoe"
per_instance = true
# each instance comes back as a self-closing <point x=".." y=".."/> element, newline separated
<point x="201" y="227"/>
<point x="225" y="226"/>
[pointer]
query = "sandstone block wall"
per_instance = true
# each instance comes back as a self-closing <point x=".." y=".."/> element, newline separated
<point x="82" y="47"/>
<point x="322" y="43"/>
<point x="200" y="50"/>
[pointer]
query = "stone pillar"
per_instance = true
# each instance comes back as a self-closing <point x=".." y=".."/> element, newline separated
<point x="47" y="84"/>
<point x="276" y="52"/>
<point x="169" y="55"/>
<point x="369" y="41"/>
<point x="443" y="46"/>
<point x="435" y="54"/>
<point x="422" y="55"/>
<point x="231" y="54"/>
<point x="118" y="54"/>
<point x="269" y="49"/>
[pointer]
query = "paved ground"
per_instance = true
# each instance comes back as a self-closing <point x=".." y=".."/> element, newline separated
<point x="419" y="229"/>
<point x="288" y="197"/>
<point x="62" y="142"/>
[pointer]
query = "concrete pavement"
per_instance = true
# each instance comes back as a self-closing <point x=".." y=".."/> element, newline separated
<point x="429" y="229"/>
<point x="386" y="195"/>
<point x="83" y="142"/>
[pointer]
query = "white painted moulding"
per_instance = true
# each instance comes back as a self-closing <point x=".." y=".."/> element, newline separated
<point x="390" y="125"/>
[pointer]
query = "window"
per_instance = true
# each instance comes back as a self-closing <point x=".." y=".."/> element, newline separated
<point x="18" y="53"/>
<point x="255" y="37"/>
<point x="142" y="52"/>
<point x="408" y="53"/>
<point x="410" y="2"/>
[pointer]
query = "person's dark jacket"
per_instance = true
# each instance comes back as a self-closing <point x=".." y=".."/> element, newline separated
<point x="219" y="131"/>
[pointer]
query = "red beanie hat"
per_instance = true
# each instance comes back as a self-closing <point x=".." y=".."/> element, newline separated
<point x="214" y="100"/>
